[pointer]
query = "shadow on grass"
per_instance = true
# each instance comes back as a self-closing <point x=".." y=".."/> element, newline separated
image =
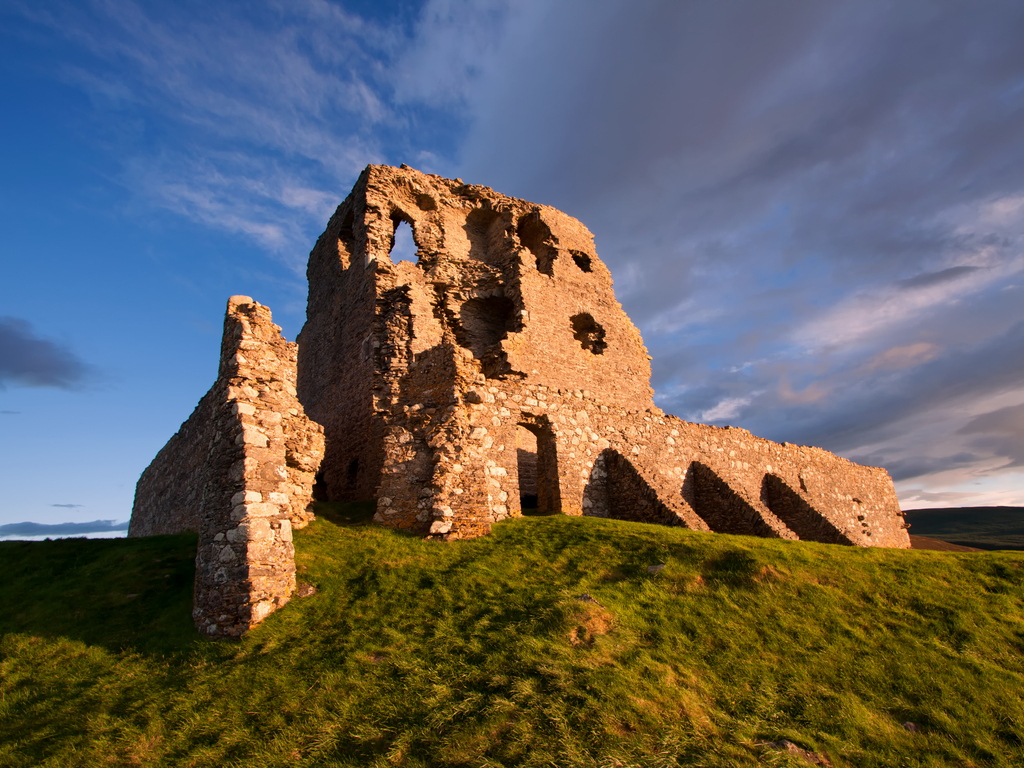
<point x="346" y="514"/>
<point x="116" y="593"/>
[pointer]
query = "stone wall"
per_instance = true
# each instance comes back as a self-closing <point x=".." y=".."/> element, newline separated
<point x="501" y="351"/>
<point x="427" y="372"/>
<point x="240" y="473"/>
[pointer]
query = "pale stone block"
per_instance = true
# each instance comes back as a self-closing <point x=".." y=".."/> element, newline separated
<point x="257" y="529"/>
<point x="261" y="510"/>
<point x="261" y="610"/>
<point x="251" y="436"/>
<point x="246" y="497"/>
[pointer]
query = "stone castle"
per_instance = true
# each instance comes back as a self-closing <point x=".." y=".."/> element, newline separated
<point x="496" y="373"/>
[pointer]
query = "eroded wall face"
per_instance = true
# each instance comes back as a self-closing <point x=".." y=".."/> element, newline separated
<point x="335" y="369"/>
<point x="508" y="322"/>
<point x="240" y="473"/>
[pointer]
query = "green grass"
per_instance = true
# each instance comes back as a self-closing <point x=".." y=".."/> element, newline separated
<point x="982" y="527"/>
<point x="480" y="653"/>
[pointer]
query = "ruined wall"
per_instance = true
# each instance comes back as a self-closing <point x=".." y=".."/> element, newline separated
<point x="335" y="370"/>
<point x="508" y="321"/>
<point x="240" y="473"/>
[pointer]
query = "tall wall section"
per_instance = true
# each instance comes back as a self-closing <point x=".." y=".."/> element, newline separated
<point x="335" y="369"/>
<point x="502" y="291"/>
<point x="239" y="473"/>
<point x="428" y="375"/>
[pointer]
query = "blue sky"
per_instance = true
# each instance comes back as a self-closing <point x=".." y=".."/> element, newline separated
<point x="813" y="211"/>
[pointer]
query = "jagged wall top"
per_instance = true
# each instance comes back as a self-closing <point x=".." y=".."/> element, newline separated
<point x="518" y="281"/>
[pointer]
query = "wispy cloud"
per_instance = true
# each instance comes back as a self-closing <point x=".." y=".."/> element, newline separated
<point x="262" y="118"/>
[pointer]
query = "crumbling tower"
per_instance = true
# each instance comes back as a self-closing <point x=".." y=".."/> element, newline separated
<point x="498" y="371"/>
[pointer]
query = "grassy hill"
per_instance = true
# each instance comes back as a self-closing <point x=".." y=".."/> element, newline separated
<point x="548" y="643"/>
<point x="981" y="527"/>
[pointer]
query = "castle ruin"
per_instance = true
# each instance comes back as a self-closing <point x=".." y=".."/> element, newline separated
<point x="496" y="373"/>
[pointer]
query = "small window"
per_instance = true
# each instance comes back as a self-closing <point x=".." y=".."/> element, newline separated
<point x="589" y="333"/>
<point x="403" y="247"/>
<point x="582" y="260"/>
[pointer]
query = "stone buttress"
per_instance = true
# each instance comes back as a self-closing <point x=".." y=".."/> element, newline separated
<point x="239" y="473"/>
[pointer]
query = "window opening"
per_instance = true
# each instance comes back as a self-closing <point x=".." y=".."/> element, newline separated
<point x="403" y="247"/>
<point x="482" y="228"/>
<point x="535" y="236"/>
<point x="589" y="333"/>
<point x="582" y="261"/>
<point x="484" y="323"/>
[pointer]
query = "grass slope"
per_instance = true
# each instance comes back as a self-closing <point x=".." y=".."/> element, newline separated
<point x="482" y="653"/>
<point x="982" y="527"/>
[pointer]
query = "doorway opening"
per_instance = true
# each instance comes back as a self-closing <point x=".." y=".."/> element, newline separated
<point x="537" y="459"/>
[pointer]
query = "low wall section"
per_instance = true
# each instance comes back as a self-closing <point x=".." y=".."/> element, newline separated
<point x="240" y="473"/>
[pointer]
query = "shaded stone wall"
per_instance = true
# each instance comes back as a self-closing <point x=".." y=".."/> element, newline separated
<point x="240" y="473"/>
<point x="508" y="321"/>
<point x="335" y="367"/>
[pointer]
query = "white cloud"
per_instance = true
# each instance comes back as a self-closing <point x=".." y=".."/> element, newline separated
<point x="729" y="408"/>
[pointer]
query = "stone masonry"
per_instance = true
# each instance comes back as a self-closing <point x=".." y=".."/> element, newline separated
<point x="499" y="368"/>
<point x="239" y="473"/>
<point x="497" y="373"/>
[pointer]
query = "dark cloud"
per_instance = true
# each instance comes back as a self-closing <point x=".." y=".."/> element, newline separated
<point x="936" y="278"/>
<point x="813" y="212"/>
<point x="1000" y="432"/>
<point x="916" y="466"/>
<point x="32" y="361"/>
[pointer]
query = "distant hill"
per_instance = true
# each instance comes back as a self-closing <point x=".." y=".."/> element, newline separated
<point x="26" y="529"/>
<point x="980" y="527"/>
